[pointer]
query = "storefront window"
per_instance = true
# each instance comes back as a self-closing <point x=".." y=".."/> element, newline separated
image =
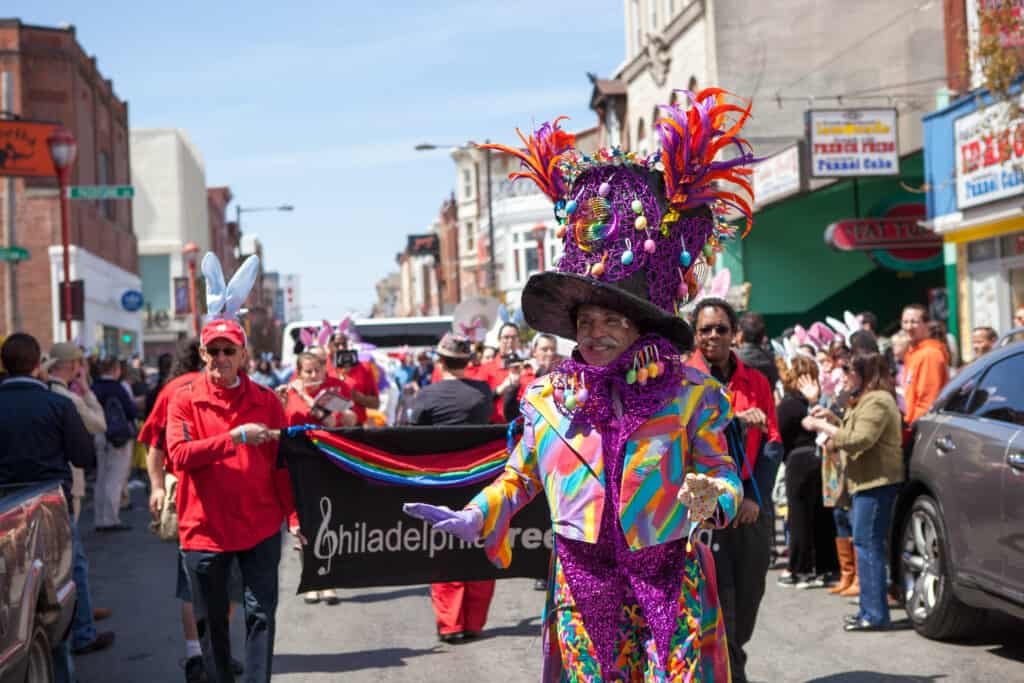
<point x="982" y="250"/>
<point x="1013" y="245"/>
<point x="985" y="299"/>
<point x="1016" y="290"/>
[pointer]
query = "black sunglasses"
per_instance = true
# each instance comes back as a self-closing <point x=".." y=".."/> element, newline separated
<point x="227" y="351"/>
<point x="721" y="329"/>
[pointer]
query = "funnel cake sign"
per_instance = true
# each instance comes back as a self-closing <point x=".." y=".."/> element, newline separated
<point x="989" y="156"/>
<point x="851" y="143"/>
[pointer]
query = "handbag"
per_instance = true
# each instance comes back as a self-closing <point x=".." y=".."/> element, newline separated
<point x="167" y="526"/>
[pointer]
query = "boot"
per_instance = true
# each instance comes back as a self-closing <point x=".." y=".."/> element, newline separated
<point x="853" y="590"/>
<point x="847" y="571"/>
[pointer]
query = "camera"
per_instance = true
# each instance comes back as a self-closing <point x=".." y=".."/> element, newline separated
<point x="346" y="358"/>
<point x="511" y="360"/>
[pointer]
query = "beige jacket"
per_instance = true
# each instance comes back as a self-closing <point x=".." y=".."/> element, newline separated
<point x="871" y="437"/>
<point x="89" y="408"/>
<point x="91" y="412"/>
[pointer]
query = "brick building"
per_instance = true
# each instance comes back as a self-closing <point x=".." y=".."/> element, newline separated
<point x="53" y="79"/>
<point x="448" y="235"/>
<point x="225" y="237"/>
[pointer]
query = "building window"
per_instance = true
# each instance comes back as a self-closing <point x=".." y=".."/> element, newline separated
<point x="470" y="234"/>
<point x="611" y="125"/>
<point x="467" y="184"/>
<point x="982" y="250"/>
<point x="155" y="272"/>
<point x="532" y="262"/>
<point x="641" y="132"/>
<point x="103" y="172"/>
<point x="654" y="15"/>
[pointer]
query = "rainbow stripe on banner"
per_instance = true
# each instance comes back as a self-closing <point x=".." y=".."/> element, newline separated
<point x="464" y="467"/>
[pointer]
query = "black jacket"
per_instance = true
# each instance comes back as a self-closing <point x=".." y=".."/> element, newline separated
<point x="40" y="433"/>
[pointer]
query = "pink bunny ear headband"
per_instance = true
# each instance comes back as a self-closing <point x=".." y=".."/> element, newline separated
<point x="326" y="332"/>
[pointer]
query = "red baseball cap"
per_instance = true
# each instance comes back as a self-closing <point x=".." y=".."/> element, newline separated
<point x="228" y="330"/>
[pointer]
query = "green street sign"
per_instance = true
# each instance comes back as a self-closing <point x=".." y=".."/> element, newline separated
<point x="13" y="254"/>
<point x="101" y="192"/>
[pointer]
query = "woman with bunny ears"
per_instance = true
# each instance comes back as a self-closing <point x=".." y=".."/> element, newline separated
<point x="232" y="495"/>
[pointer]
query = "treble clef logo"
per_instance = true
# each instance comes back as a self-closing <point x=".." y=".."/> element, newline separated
<point x="325" y="546"/>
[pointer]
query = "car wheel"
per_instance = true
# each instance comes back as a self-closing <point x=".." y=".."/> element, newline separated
<point x="925" y="577"/>
<point x="40" y="658"/>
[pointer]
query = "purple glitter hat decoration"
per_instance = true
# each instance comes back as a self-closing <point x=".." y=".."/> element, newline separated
<point x="634" y="229"/>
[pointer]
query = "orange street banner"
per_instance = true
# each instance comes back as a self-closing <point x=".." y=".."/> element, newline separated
<point x="23" y="149"/>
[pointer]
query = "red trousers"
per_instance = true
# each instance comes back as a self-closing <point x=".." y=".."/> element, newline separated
<point x="461" y="606"/>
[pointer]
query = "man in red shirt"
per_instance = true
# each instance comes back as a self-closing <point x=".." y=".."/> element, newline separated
<point x="232" y="497"/>
<point x="742" y="552"/>
<point x="358" y="377"/>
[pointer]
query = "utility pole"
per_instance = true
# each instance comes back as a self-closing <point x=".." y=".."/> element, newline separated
<point x="13" y="318"/>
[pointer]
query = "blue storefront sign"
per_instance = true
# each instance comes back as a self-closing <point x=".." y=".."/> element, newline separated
<point x="132" y="300"/>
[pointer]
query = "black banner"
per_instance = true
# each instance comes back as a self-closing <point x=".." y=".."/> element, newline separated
<point x="359" y="537"/>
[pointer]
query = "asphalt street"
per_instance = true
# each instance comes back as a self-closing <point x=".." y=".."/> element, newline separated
<point x="387" y="634"/>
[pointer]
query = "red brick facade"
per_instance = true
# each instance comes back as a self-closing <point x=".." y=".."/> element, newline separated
<point x="958" y="74"/>
<point x="224" y="235"/>
<point x="54" y="80"/>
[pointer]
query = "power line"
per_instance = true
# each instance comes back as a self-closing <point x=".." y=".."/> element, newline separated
<point x="889" y="24"/>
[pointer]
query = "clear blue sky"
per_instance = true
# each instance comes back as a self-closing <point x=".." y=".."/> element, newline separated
<point x="320" y="107"/>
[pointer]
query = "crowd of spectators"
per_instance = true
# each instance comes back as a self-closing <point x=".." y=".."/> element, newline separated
<point x="844" y="405"/>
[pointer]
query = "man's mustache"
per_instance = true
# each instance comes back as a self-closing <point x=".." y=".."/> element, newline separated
<point x="590" y="342"/>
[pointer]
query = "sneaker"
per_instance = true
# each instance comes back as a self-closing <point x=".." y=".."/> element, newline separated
<point x="194" y="670"/>
<point x="451" y="637"/>
<point x="787" y="580"/>
<point x="101" y="642"/>
<point x="811" y="582"/>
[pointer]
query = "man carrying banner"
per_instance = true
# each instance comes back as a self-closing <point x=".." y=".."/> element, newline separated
<point x="625" y="440"/>
<point x="459" y="606"/>
<point x="232" y="495"/>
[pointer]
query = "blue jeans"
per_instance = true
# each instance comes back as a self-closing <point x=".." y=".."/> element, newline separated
<point x="209" y="578"/>
<point x="83" y="627"/>
<point x="844" y="528"/>
<point x="872" y="514"/>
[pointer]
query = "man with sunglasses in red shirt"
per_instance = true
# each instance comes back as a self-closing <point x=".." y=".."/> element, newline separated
<point x="743" y="551"/>
<point x="222" y="435"/>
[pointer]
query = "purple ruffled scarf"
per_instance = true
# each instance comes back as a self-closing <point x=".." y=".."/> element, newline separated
<point x="639" y="401"/>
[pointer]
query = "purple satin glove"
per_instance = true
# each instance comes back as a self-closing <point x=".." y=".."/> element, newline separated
<point x="464" y="524"/>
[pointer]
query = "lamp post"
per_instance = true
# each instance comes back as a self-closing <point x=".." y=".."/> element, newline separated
<point x="190" y="252"/>
<point x="239" y="210"/>
<point x="540" y="231"/>
<point x="63" y="149"/>
<point x="492" y="272"/>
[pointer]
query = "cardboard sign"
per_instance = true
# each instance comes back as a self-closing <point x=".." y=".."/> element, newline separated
<point x="23" y="149"/>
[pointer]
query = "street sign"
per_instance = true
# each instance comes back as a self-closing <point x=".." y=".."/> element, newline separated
<point x="13" y="254"/>
<point x="101" y="192"/>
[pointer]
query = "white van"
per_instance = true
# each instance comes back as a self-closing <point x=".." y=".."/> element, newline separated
<point x="387" y="334"/>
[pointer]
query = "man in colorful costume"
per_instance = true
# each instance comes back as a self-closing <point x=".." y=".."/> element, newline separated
<point x="626" y="441"/>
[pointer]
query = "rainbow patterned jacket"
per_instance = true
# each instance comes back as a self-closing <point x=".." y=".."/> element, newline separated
<point x="685" y="436"/>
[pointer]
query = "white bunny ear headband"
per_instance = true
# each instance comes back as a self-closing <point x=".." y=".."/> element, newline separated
<point x="224" y="301"/>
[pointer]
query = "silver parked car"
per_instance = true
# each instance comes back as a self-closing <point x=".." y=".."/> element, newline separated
<point x="958" y="527"/>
